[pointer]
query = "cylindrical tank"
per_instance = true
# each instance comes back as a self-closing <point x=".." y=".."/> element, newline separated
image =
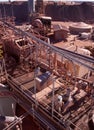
<point x="80" y="27"/>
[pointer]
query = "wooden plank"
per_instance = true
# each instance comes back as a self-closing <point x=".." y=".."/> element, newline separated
<point x="28" y="85"/>
<point x="41" y="95"/>
<point x="25" y="78"/>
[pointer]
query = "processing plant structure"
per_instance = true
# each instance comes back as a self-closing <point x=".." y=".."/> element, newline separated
<point x="46" y="73"/>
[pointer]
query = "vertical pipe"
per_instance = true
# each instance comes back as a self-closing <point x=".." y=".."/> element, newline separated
<point x="4" y="8"/>
<point x="35" y="75"/>
<point x="53" y="97"/>
<point x="31" y="6"/>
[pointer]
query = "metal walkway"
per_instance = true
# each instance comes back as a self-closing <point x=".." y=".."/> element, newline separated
<point x="25" y="99"/>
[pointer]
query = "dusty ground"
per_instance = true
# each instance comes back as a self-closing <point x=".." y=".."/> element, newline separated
<point x="73" y="38"/>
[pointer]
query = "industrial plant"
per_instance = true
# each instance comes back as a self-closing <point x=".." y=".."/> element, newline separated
<point x="46" y="65"/>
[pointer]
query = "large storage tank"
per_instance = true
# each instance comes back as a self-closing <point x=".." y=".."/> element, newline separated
<point x="80" y="27"/>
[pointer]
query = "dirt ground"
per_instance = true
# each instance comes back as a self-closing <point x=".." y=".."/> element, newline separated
<point x="72" y="39"/>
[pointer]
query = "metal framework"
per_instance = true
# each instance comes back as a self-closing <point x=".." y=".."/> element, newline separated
<point x="45" y="54"/>
<point x="78" y="58"/>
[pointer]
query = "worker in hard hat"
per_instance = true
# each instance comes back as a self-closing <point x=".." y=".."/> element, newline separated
<point x="59" y="103"/>
<point x="69" y="101"/>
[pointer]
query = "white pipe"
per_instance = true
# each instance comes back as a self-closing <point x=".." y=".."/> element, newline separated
<point x="7" y="118"/>
<point x="93" y="118"/>
<point x="2" y="85"/>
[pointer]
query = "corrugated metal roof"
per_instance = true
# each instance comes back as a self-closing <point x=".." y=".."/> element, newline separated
<point x="58" y="27"/>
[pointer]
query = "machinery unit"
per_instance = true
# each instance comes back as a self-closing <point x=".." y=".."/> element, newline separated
<point x="17" y="48"/>
<point x="43" y="80"/>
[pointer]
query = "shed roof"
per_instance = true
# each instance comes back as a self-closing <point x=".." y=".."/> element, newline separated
<point x="58" y="27"/>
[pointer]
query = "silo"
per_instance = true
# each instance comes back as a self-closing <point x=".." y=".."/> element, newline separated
<point x="80" y="27"/>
